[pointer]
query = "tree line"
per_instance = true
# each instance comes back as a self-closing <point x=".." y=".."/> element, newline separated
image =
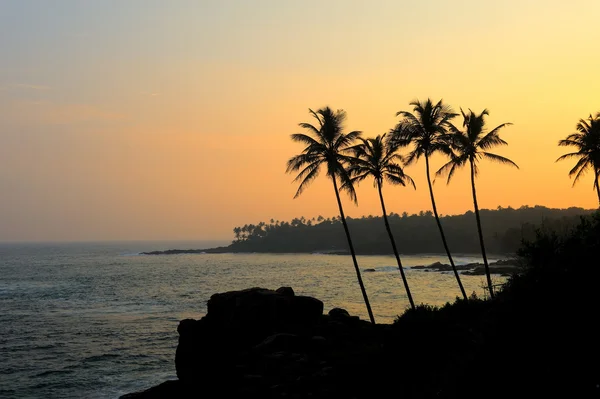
<point x="348" y="158"/>
<point x="505" y="229"/>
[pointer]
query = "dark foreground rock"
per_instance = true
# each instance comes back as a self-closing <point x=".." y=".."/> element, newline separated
<point x="263" y="343"/>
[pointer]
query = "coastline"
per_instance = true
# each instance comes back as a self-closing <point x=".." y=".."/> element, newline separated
<point x="502" y="267"/>
<point x="229" y="250"/>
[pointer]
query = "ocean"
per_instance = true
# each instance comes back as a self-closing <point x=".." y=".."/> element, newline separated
<point x="98" y="320"/>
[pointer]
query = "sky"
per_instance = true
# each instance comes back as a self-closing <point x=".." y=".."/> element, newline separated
<point x="153" y="120"/>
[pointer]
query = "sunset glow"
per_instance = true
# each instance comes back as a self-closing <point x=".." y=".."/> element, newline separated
<point x="145" y="120"/>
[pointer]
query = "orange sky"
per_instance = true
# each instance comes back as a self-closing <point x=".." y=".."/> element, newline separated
<point x="172" y="120"/>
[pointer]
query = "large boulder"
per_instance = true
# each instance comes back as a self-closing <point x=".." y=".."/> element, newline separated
<point x="260" y="305"/>
<point x="237" y="321"/>
<point x="258" y="343"/>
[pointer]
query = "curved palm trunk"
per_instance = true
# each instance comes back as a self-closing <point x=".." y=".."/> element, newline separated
<point x="389" y="231"/>
<point x="439" y="224"/>
<point x="360" y="282"/>
<point x="485" y="261"/>
<point x="597" y="189"/>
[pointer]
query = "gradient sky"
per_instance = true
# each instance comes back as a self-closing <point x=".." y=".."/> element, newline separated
<point x="144" y="120"/>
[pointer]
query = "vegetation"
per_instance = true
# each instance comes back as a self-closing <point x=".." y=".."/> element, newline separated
<point x="469" y="146"/>
<point x="377" y="158"/>
<point x="425" y="130"/>
<point x="327" y="146"/>
<point x="418" y="233"/>
<point x="428" y="130"/>
<point x="541" y="326"/>
<point x="587" y="143"/>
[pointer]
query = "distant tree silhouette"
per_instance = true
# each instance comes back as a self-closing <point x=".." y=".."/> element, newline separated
<point x="377" y="158"/>
<point x="327" y="145"/>
<point x="426" y="129"/>
<point x="469" y="146"/>
<point x="504" y="231"/>
<point x="587" y="143"/>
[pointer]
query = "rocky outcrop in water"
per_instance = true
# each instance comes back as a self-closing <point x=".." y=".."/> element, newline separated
<point x="502" y="267"/>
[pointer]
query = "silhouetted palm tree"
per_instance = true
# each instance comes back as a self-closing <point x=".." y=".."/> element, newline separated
<point x="470" y="146"/>
<point x="377" y="158"/>
<point x="587" y="143"/>
<point x="425" y="129"/>
<point x="327" y="146"/>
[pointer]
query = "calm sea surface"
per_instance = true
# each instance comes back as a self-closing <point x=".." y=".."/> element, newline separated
<point x="96" y="320"/>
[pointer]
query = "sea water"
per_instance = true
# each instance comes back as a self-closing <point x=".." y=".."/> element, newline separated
<point x="97" y="320"/>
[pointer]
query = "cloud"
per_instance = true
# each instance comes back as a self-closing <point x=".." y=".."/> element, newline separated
<point x="49" y="113"/>
<point x="30" y="86"/>
<point x="149" y="94"/>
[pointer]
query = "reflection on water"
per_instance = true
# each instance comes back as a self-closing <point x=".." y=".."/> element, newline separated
<point x="91" y="320"/>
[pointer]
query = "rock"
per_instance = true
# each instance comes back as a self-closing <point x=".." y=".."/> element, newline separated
<point x="337" y="313"/>
<point x="287" y="291"/>
<point x="318" y="343"/>
<point x="368" y="270"/>
<point x="282" y="342"/>
<point x="341" y="316"/>
<point x="259" y="342"/>
<point x="168" y="389"/>
<point x="260" y="305"/>
<point x="238" y="321"/>
<point x="505" y="270"/>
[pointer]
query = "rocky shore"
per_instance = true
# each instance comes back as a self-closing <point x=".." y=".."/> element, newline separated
<point x="261" y="343"/>
<point x="502" y="267"/>
<point x="264" y="343"/>
<point x="537" y="337"/>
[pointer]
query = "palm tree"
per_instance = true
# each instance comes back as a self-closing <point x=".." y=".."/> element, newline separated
<point x="378" y="158"/>
<point x="470" y="146"/>
<point x="587" y="143"/>
<point x="425" y="129"/>
<point x="327" y="145"/>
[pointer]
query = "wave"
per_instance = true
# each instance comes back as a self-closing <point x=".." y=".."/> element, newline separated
<point x="52" y="372"/>
<point x="99" y="358"/>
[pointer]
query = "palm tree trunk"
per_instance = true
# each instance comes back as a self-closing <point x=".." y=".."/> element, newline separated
<point x="439" y="224"/>
<point x="598" y="188"/>
<point x="360" y="281"/>
<point x="485" y="261"/>
<point x="389" y="231"/>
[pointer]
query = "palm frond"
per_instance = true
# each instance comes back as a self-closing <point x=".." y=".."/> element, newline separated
<point x="499" y="159"/>
<point x="298" y="161"/>
<point x="571" y="142"/>
<point x="475" y="168"/>
<point x="450" y="167"/>
<point x="357" y="178"/>
<point x="490" y="140"/>
<point x="307" y="170"/>
<point x="304" y="138"/>
<point x="499" y="127"/>
<point x="399" y="180"/>
<point x="312" y="174"/>
<point x="579" y="170"/>
<point x="583" y="164"/>
<point x="345" y="140"/>
<point x="310" y="128"/>
<point x="583" y="126"/>
<point x="412" y="157"/>
<point x="570" y="155"/>
<point x="346" y="182"/>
